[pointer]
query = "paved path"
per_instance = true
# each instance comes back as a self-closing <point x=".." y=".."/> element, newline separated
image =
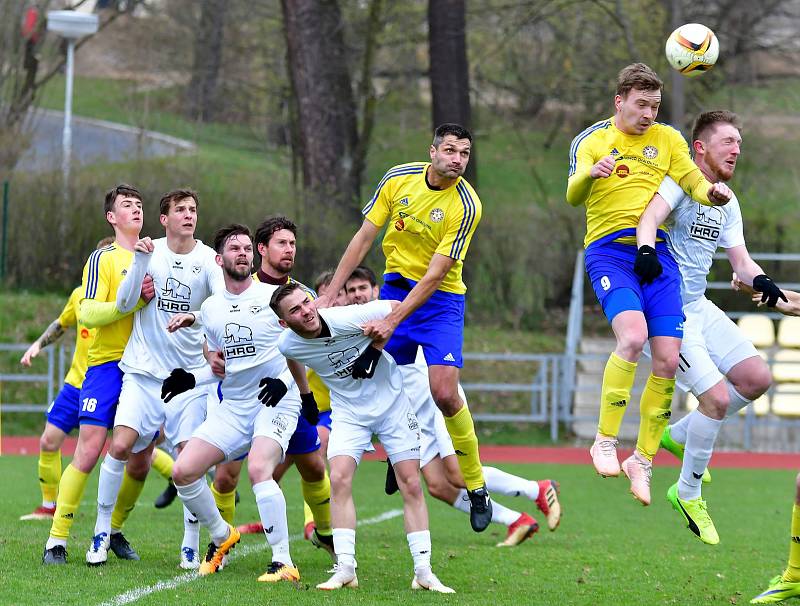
<point x="94" y="141"/>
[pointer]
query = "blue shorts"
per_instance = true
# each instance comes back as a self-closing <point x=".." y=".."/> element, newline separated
<point x="100" y="394"/>
<point x="305" y="438"/>
<point x="437" y="326"/>
<point x="610" y="268"/>
<point x="63" y="411"/>
<point x="325" y="419"/>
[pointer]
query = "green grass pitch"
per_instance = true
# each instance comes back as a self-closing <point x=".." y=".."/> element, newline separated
<point x="608" y="550"/>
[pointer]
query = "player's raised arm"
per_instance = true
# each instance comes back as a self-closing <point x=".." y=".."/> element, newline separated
<point x="353" y="255"/>
<point x="583" y="173"/>
<point x="130" y="288"/>
<point x="50" y="335"/>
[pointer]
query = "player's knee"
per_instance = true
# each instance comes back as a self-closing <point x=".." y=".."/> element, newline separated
<point x="119" y="449"/>
<point x="225" y="482"/>
<point x="341" y="481"/>
<point x="756" y="383"/>
<point x="631" y="343"/>
<point x="446" y="399"/>
<point x="666" y="364"/>
<point x="49" y="443"/>
<point x="258" y="470"/>
<point x="408" y="482"/>
<point x="797" y="489"/>
<point x="311" y="467"/>
<point x="138" y="465"/>
<point x="183" y="474"/>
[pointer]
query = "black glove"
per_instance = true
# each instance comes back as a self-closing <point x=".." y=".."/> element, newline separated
<point x="365" y="364"/>
<point x="647" y="266"/>
<point x="176" y="383"/>
<point x="770" y="293"/>
<point x="310" y="410"/>
<point x="272" y="390"/>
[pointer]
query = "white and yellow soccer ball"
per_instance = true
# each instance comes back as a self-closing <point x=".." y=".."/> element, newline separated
<point x="692" y="49"/>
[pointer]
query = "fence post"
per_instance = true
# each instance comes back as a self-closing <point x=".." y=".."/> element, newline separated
<point x="5" y="231"/>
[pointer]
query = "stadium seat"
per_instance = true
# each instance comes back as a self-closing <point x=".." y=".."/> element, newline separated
<point x="786" y="400"/>
<point x="760" y="407"/>
<point x="789" y="331"/>
<point x="786" y="366"/>
<point x="758" y="328"/>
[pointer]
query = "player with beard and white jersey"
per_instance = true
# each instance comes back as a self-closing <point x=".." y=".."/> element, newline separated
<point x="367" y="397"/>
<point x="184" y="274"/>
<point x="718" y="364"/>
<point x="258" y="412"/>
<point x="438" y="455"/>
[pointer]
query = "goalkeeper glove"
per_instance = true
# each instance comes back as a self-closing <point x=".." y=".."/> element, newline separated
<point x="647" y="266"/>
<point x="272" y="390"/>
<point x="310" y="410"/>
<point x="770" y="293"/>
<point x="365" y="364"/>
<point x="176" y="383"/>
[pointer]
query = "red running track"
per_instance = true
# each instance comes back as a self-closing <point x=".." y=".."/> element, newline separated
<point x="29" y="445"/>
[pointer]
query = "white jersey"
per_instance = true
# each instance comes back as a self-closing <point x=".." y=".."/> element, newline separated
<point x="246" y="330"/>
<point x="332" y="359"/>
<point x="695" y="233"/>
<point x="182" y="282"/>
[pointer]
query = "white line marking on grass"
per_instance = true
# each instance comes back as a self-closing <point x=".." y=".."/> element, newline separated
<point x="138" y="593"/>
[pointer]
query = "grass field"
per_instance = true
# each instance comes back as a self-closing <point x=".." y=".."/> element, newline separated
<point x="608" y="550"/>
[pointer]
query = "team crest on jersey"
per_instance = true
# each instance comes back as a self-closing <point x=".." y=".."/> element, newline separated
<point x="437" y="214"/>
<point x="281" y="422"/>
<point x="196" y="268"/>
<point x="254" y="309"/>
<point x="649" y="152"/>
<point x="342" y="361"/>
<point x="175" y="296"/>
<point x="238" y="341"/>
<point x="707" y="223"/>
<point x="404" y="201"/>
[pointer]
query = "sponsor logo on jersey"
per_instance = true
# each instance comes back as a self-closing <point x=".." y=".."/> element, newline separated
<point x="650" y="152"/>
<point x="404" y="201"/>
<point x="238" y="341"/>
<point x="84" y="333"/>
<point x="342" y="361"/>
<point x="234" y="309"/>
<point x="413" y="424"/>
<point x="614" y="152"/>
<point x="404" y="216"/>
<point x="175" y="296"/>
<point x="707" y="224"/>
<point x="437" y="214"/>
<point x="399" y="225"/>
<point x="622" y="170"/>
<point x="177" y="264"/>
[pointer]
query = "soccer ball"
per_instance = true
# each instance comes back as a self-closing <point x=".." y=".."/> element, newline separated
<point x="692" y="49"/>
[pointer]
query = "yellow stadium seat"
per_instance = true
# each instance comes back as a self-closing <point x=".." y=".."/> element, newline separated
<point x="786" y="400"/>
<point x="758" y="328"/>
<point x="789" y="331"/>
<point x="786" y="366"/>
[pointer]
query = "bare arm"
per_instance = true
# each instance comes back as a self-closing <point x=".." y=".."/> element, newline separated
<point x="51" y="334"/>
<point x="654" y="215"/>
<point x="743" y="265"/>
<point x="353" y="255"/>
<point x="298" y="371"/>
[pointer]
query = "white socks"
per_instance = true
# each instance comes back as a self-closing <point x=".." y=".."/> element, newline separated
<point x="737" y="400"/>
<point x="510" y="485"/>
<point x="701" y="435"/>
<point x="191" y="531"/>
<point x="272" y="509"/>
<point x="111" y="472"/>
<point x="500" y="514"/>
<point x="198" y="499"/>
<point x="419" y="543"/>
<point x="344" y="544"/>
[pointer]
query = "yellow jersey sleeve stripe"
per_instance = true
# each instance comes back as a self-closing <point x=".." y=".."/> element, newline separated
<point x="573" y="149"/>
<point x="397" y="171"/>
<point x="94" y="268"/>
<point x="466" y="221"/>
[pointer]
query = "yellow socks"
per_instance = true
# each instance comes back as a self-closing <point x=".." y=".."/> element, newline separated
<point x="462" y="432"/>
<point x="226" y="503"/>
<point x="616" y="393"/>
<point x="162" y="463"/>
<point x="70" y="492"/>
<point x="129" y="492"/>
<point x="654" y="407"/>
<point x="792" y="572"/>
<point x="317" y="496"/>
<point x="308" y="515"/>
<point x="49" y="475"/>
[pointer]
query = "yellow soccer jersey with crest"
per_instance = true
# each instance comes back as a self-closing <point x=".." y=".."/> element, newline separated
<point x="642" y="161"/>
<point x="102" y="275"/>
<point x="70" y="316"/>
<point x="423" y="221"/>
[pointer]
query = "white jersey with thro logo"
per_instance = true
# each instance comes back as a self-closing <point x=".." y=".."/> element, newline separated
<point x="695" y="233"/>
<point x="182" y="283"/>
<point x="246" y="330"/>
<point x="332" y="359"/>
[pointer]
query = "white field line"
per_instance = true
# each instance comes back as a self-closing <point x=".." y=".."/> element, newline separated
<point x="137" y="593"/>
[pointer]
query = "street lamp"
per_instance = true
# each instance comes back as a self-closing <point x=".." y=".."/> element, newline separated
<point x="70" y="25"/>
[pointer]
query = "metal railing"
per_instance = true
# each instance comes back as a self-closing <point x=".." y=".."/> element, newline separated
<point x="55" y="361"/>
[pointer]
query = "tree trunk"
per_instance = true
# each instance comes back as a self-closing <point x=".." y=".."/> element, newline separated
<point x="324" y="100"/>
<point x="449" y="68"/>
<point x="202" y="99"/>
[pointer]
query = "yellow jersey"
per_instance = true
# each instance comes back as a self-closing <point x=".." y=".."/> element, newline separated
<point x="102" y="275"/>
<point x="70" y="316"/>
<point x="617" y="202"/>
<point x="424" y="221"/>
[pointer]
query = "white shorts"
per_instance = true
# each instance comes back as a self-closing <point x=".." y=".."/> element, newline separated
<point x="398" y="431"/>
<point x="712" y="345"/>
<point x="232" y="430"/>
<point x="142" y="409"/>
